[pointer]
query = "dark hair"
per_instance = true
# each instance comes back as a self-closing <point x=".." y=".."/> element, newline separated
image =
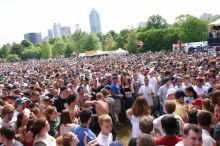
<point x="179" y="94"/>
<point x="190" y="89"/>
<point x="167" y="79"/>
<point x="169" y="123"/>
<point x="193" y="116"/>
<point x="19" y="120"/>
<point x="38" y="125"/>
<point x="204" y="118"/>
<point x="192" y="127"/>
<point x="7" y="132"/>
<point x="30" y="124"/>
<point x="216" y="97"/>
<point x="65" y="117"/>
<point x="71" y="98"/>
<point x="84" y="115"/>
<point x="167" y="72"/>
<point x="79" y="89"/>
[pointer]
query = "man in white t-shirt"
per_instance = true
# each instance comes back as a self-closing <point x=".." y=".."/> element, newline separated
<point x="204" y="121"/>
<point x="199" y="88"/>
<point x="146" y="90"/>
<point x="154" y="81"/>
<point x="169" y="109"/>
<point x="105" y="136"/>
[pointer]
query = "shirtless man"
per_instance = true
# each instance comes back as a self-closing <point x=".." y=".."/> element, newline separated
<point x="82" y="98"/>
<point x="100" y="105"/>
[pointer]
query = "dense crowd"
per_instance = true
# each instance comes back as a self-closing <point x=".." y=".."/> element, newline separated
<point x="170" y="99"/>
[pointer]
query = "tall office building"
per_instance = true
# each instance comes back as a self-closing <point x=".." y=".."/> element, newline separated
<point x="77" y="27"/>
<point x="50" y="34"/>
<point x="56" y="30"/>
<point x="206" y="16"/>
<point x="65" y="31"/>
<point x="34" y="38"/>
<point x="94" y="21"/>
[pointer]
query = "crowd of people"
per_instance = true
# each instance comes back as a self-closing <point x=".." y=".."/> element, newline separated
<point x="169" y="98"/>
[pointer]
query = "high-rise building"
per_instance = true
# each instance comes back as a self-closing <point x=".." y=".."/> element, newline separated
<point x="77" y="27"/>
<point x="94" y="21"/>
<point x="34" y="38"/>
<point x="50" y="34"/>
<point x="56" y="30"/>
<point x="206" y="16"/>
<point x="65" y="31"/>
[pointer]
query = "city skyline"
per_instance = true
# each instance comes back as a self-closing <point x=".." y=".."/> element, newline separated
<point x="25" y="16"/>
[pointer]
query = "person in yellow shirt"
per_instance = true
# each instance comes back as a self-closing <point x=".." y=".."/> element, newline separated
<point x="180" y="109"/>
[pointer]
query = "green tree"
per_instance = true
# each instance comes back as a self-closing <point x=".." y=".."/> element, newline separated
<point x="92" y="43"/>
<point x="31" y="52"/>
<point x="45" y="50"/>
<point x="109" y="43"/>
<point x="193" y="30"/>
<point x="12" y="58"/>
<point x="132" y="41"/>
<point x="79" y="40"/>
<point x="215" y="17"/>
<point x="180" y="19"/>
<point x="16" y="49"/>
<point x="58" y="48"/>
<point x="5" y="51"/>
<point x="26" y="43"/>
<point x="156" y="22"/>
<point x="158" y="39"/>
<point x="120" y="42"/>
<point x="113" y="34"/>
<point x="68" y="50"/>
<point x="121" y="38"/>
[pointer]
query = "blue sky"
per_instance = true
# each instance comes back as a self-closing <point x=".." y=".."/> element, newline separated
<point x="23" y="16"/>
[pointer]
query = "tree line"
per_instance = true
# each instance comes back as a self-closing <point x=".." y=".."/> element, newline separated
<point x="155" y="35"/>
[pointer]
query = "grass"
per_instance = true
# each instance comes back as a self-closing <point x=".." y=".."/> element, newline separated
<point x="124" y="133"/>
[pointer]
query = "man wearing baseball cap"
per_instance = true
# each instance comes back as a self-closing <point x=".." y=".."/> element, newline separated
<point x="19" y="105"/>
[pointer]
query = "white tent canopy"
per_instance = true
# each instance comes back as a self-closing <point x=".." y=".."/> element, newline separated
<point x="100" y="52"/>
<point x="120" y="51"/>
<point x="215" y="23"/>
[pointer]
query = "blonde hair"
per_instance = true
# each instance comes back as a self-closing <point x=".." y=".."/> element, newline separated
<point x="104" y="118"/>
<point x="170" y="106"/>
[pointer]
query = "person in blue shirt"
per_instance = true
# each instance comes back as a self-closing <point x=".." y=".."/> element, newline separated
<point x="83" y="130"/>
<point x="116" y="94"/>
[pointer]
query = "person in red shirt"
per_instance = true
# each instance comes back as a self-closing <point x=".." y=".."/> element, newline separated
<point x="170" y="126"/>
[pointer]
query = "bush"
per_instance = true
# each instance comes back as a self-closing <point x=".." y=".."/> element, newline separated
<point x="12" y="58"/>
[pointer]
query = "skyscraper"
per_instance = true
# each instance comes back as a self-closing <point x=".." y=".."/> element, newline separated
<point x="56" y="30"/>
<point x="94" y="21"/>
<point x="77" y="27"/>
<point x="34" y="38"/>
<point x="65" y="31"/>
<point x="50" y="34"/>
